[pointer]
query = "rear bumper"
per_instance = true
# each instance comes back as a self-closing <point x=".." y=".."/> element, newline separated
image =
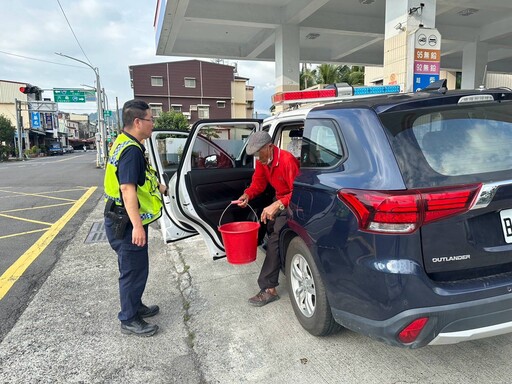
<point x="448" y="324"/>
<point x="472" y="334"/>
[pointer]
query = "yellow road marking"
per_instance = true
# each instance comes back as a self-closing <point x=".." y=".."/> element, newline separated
<point x="79" y="188"/>
<point x="39" y="195"/>
<point x="16" y="270"/>
<point x="24" y="233"/>
<point x="33" y="208"/>
<point x="43" y="194"/>
<point x="27" y="220"/>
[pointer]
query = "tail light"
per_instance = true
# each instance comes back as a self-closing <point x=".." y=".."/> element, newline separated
<point x="406" y="211"/>
<point x="412" y="331"/>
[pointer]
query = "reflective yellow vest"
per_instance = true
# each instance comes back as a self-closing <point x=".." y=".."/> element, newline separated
<point x="150" y="200"/>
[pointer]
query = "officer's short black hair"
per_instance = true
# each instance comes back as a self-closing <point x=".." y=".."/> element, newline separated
<point x="134" y="109"/>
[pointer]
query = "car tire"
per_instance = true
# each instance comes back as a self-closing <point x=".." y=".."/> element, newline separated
<point x="307" y="291"/>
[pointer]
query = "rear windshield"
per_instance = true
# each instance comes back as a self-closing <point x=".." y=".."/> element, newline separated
<point x="436" y="145"/>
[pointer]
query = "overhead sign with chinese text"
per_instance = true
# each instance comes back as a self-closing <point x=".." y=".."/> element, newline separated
<point x="35" y="119"/>
<point x="69" y="95"/>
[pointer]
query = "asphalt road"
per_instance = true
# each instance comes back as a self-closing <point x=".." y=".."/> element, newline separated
<point x="35" y="195"/>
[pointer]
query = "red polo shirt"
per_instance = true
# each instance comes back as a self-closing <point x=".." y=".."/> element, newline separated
<point x="280" y="174"/>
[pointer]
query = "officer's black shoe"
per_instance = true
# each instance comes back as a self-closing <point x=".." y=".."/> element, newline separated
<point x="146" y="311"/>
<point x="139" y="327"/>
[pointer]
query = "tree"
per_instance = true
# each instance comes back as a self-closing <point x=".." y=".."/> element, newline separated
<point x="344" y="73"/>
<point x="331" y="74"/>
<point x="328" y="74"/>
<point x="172" y="121"/>
<point x="307" y="76"/>
<point x="210" y="133"/>
<point x="352" y="75"/>
<point x="356" y="78"/>
<point x="6" y="136"/>
<point x="6" y="130"/>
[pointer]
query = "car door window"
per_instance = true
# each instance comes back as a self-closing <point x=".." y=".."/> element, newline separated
<point x="321" y="145"/>
<point x="170" y="150"/>
<point x="219" y="146"/>
<point x="290" y="138"/>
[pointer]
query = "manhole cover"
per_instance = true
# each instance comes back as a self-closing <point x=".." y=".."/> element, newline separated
<point x="96" y="233"/>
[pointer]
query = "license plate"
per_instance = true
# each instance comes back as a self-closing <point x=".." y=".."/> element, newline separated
<point x="506" y="224"/>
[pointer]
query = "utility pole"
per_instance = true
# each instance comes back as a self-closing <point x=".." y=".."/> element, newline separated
<point x="102" y="142"/>
<point x="19" y="128"/>
<point x="118" y="119"/>
<point x="106" y="107"/>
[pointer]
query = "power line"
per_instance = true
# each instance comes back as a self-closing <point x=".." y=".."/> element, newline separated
<point x="70" y="27"/>
<point x="44" y="61"/>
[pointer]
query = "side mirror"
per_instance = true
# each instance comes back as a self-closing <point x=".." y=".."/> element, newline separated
<point x="211" y="161"/>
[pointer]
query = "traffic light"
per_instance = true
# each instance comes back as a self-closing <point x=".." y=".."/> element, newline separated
<point x="31" y="89"/>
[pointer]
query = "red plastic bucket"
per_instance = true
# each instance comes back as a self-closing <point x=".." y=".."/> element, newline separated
<point x="240" y="240"/>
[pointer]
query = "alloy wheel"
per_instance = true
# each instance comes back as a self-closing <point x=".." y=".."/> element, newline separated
<point x="303" y="285"/>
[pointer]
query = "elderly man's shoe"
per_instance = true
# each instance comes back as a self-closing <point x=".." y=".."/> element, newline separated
<point x="146" y="311"/>
<point x="264" y="297"/>
<point x="139" y="327"/>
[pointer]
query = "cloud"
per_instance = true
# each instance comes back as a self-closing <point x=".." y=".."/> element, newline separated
<point x="260" y="72"/>
<point x="113" y="35"/>
<point x="114" y="32"/>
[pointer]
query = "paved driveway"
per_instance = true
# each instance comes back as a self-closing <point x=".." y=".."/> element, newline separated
<point x="69" y="332"/>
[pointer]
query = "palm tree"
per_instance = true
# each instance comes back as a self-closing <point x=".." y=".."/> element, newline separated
<point x="352" y="75"/>
<point x="344" y="73"/>
<point x="307" y="76"/>
<point x="328" y="74"/>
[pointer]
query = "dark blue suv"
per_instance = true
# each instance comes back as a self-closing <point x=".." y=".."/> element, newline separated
<point x="400" y="226"/>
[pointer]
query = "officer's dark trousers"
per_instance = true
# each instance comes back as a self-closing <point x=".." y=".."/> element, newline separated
<point x="133" y="270"/>
<point x="269" y="275"/>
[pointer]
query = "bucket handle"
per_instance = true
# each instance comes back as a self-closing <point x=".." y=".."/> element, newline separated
<point x="232" y="203"/>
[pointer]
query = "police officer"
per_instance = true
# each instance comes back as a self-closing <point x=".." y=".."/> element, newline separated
<point x="133" y="196"/>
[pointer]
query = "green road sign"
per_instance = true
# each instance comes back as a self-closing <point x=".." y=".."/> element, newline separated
<point x="90" y="95"/>
<point x="107" y="113"/>
<point x="69" y="95"/>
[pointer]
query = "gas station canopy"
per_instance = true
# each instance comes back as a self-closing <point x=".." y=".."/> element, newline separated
<point x="329" y="31"/>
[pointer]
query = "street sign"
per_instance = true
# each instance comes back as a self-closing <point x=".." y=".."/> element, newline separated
<point x="48" y="121"/>
<point x="90" y="95"/>
<point x="427" y="58"/>
<point x="35" y="119"/>
<point x="423" y="80"/>
<point x="107" y="113"/>
<point x="69" y="95"/>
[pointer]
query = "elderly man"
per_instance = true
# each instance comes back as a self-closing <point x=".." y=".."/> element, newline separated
<point x="278" y="168"/>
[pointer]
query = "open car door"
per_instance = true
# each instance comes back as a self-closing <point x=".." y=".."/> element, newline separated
<point x="165" y="149"/>
<point x="213" y="171"/>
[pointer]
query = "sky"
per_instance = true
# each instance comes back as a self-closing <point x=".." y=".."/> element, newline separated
<point x="110" y="35"/>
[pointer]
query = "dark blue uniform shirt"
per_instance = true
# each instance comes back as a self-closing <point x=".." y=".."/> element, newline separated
<point x="132" y="165"/>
